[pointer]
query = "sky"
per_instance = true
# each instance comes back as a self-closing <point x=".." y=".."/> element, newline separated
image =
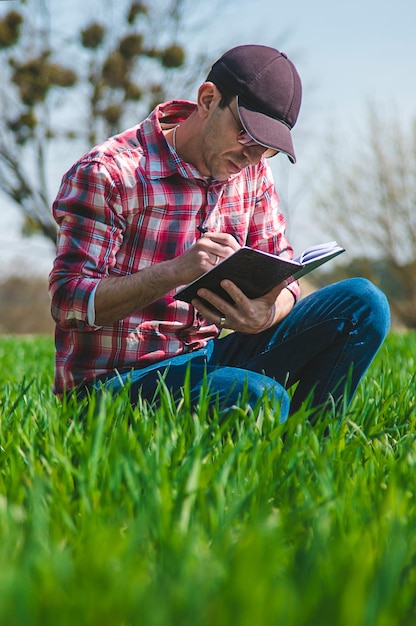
<point x="347" y="53"/>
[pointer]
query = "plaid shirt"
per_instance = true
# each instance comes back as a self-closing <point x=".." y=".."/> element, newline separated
<point x="127" y="204"/>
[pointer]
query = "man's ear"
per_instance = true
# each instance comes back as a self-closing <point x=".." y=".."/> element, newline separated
<point x="208" y="95"/>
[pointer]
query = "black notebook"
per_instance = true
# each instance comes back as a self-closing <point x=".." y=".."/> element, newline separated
<point x="256" y="272"/>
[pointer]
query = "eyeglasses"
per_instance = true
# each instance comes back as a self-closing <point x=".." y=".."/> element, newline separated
<point x="244" y="138"/>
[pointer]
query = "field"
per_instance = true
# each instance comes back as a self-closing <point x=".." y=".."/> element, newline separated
<point x="125" y="517"/>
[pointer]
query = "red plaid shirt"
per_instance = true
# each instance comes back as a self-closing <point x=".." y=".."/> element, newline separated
<point x="127" y="204"/>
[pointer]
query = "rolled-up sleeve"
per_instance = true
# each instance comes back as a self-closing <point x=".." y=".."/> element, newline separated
<point x="88" y="212"/>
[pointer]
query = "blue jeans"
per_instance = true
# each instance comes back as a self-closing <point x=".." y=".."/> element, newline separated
<point x="325" y="345"/>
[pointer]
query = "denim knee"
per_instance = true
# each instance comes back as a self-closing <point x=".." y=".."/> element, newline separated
<point x="371" y="306"/>
<point x="231" y="384"/>
<point x="260" y="385"/>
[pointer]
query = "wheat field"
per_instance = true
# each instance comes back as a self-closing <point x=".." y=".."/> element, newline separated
<point x="172" y="517"/>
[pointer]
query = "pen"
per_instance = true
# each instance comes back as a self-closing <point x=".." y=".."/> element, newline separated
<point x="204" y="230"/>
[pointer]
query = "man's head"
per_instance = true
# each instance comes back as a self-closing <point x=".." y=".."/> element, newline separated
<point x="268" y="90"/>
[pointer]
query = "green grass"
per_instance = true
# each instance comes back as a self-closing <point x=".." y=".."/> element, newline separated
<point x="170" y="518"/>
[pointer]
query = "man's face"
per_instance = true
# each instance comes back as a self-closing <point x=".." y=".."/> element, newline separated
<point x="222" y="153"/>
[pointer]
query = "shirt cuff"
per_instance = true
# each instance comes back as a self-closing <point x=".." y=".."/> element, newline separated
<point x="91" y="309"/>
<point x="294" y="290"/>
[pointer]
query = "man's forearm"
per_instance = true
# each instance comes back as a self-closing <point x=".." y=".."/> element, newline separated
<point x="118" y="297"/>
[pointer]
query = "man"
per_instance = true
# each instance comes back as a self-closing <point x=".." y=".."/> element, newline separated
<point x="158" y="205"/>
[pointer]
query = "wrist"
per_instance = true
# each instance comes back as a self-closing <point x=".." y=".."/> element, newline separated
<point x="270" y="321"/>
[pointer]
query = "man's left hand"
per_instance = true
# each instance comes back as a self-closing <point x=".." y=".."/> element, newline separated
<point x="245" y="315"/>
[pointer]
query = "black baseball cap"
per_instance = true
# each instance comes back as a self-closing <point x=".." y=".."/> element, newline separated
<point x="268" y="90"/>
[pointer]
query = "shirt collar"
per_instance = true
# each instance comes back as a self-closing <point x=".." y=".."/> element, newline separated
<point x="161" y="160"/>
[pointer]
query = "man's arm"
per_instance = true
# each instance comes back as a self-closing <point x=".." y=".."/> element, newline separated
<point x="89" y="212"/>
<point x="118" y="297"/>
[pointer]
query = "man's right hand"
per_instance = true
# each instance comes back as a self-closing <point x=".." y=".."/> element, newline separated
<point x="207" y="251"/>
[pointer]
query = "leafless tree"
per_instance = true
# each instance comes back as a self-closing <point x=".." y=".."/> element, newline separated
<point x="368" y="201"/>
<point x="78" y="86"/>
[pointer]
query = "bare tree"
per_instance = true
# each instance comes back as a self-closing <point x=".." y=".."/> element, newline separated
<point x="24" y="121"/>
<point x="368" y="200"/>
<point x="110" y="65"/>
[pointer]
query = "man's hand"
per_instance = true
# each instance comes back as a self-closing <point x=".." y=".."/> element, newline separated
<point x="207" y="251"/>
<point x="245" y="315"/>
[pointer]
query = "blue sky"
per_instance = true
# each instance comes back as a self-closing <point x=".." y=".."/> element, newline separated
<point x="348" y="53"/>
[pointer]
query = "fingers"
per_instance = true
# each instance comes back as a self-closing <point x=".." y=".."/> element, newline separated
<point x="241" y="299"/>
<point x="217" y="246"/>
<point x="223" y="239"/>
<point x="244" y="315"/>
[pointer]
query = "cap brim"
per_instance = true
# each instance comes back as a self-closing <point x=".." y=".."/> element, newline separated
<point x="266" y="130"/>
